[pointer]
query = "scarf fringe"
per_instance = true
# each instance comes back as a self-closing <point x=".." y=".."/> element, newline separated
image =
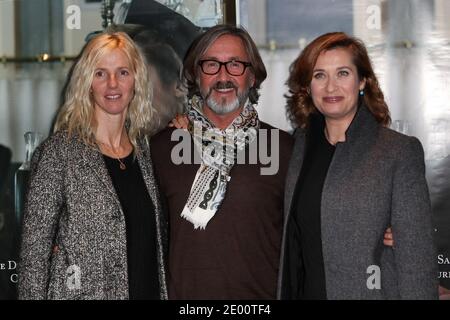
<point x="199" y="218"/>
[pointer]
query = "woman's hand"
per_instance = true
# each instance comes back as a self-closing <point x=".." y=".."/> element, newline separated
<point x="388" y="238"/>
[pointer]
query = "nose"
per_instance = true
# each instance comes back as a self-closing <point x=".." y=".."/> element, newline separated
<point x="223" y="74"/>
<point x="112" y="81"/>
<point x="330" y="85"/>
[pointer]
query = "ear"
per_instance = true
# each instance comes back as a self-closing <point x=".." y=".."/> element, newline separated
<point x="362" y="84"/>
<point x="252" y="80"/>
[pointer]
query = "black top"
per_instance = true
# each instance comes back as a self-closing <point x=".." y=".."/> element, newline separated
<point x="140" y="223"/>
<point x="306" y="214"/>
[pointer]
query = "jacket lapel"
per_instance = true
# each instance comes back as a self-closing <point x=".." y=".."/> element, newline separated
<point x="360" y="136"/>
<point x="145" y="165"/>
<point x="94" y="159"/>
<point x="294" y="169"/>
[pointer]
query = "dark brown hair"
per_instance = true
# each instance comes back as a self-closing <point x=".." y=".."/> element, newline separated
<point x="299" y="101"/>
<point x="205" y="40"/>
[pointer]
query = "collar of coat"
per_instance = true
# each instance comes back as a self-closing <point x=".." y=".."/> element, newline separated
<point x="93" y="158"/>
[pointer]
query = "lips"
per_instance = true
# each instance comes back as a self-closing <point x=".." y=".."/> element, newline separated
<point x="113" y="96"/>
<point x="333" y="99"/>
<point x="224" y="86"/>
<point x="226" y="90"/>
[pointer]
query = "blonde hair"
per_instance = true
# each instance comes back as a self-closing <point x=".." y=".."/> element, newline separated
<point x="77" y="112"/>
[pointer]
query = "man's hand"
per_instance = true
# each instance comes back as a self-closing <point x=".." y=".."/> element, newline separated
<point x="180" y="121"/>
<point x="444" y="293"/>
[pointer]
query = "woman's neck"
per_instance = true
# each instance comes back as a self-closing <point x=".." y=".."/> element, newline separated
<point x="335" y="130"/>
<point x="113" y="138"/>
<point x="113" y="141"/>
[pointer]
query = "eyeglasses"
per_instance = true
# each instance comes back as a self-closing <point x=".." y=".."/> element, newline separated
<point x="233" y="67"/>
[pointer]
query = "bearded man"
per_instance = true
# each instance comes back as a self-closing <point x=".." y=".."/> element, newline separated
<point x="225" y="198"/>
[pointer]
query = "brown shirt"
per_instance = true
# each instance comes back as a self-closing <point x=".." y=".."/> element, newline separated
<point x="237" y="255"/>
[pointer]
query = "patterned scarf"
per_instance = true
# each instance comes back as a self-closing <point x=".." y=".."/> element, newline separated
<point x="218" y="151"/>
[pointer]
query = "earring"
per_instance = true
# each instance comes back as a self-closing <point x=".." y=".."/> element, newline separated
<point x="361" y="93"/>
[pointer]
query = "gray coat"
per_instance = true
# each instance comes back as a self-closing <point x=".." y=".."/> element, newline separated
<point x="72" y="204"/>
<point x="376" y="179"/>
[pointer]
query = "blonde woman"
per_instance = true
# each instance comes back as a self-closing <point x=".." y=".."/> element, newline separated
<point x="93" y="226"/>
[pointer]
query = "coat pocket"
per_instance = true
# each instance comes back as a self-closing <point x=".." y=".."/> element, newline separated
<point x="64" y="278"/>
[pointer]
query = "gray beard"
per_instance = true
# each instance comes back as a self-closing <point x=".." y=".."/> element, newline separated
<point x="221" y="108"/>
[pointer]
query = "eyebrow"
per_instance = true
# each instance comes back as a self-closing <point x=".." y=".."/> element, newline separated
<point x="340" y="68"/>
<point x="217" y="59"/>
<point x="123" y="67"/>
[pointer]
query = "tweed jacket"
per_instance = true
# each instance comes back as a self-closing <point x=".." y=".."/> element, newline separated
<point x="72" y="207"/>
<point x="376" y="179"/>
